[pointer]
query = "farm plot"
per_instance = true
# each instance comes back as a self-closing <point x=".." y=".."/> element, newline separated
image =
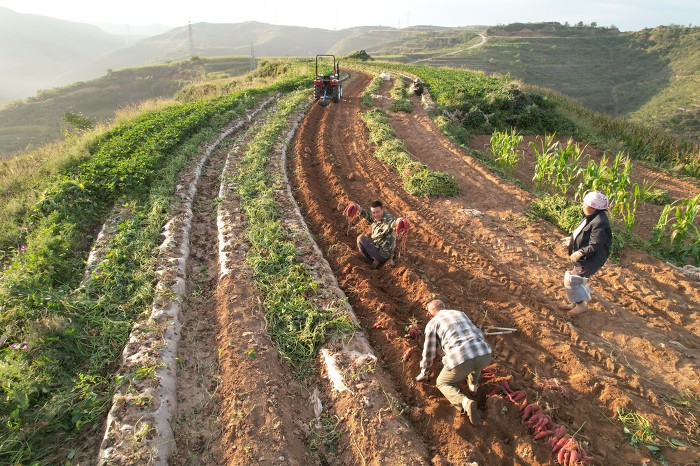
<point x="636" y="351"/>
<point x="237" y="401"/>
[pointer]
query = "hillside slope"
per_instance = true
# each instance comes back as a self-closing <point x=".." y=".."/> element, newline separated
<point x="649" y="76"/>
<point x="28" y="124"/>
<point x="39" y="52"/>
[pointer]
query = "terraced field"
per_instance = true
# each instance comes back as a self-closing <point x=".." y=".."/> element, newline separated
<point x="225" y="395"/>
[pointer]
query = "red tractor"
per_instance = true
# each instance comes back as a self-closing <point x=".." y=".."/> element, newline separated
<point x="327" y="86"/>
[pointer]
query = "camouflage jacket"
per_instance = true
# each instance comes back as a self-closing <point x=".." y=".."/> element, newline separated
<point x="382" y="232"/>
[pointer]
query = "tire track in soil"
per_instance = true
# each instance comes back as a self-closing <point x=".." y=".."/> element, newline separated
<point x="652" y="301"/>
<point x="471" y="267"/>
<point x="238" y="403"/>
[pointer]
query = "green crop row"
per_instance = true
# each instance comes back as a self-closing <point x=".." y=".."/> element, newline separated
<point x="399" y="96"/>
<point x="60" y="337"/>
<point x="417" y="178"/>
<point x="482" y="104"/>
<point x="372" y="89"/>
<point x="297" y="324"/>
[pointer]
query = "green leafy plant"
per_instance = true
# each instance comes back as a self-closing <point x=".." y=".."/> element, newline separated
<point x="399" y="94"/>
<point x="325" y="433"/>
<point x="504" y="148"/>
<point x="641" y="433"/>
<point x="297" y="325"/>
<point x="418" y="179"/>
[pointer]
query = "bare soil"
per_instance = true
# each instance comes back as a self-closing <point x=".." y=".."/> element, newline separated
<point x="238" y="402"/>
<point x="636" y="349"/>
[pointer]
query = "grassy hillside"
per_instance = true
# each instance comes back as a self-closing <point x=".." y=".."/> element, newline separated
<point x="597" y="71"/>
<point x="676" y="106"/>
<point x="651" y="75"/>
<point x="29" y="123"/>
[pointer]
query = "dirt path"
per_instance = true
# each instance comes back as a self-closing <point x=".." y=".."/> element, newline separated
<point x="480" y="254"/>
<point x="482" y="40"/>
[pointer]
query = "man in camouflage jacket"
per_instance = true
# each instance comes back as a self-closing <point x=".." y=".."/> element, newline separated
<point x="380" y="245"/>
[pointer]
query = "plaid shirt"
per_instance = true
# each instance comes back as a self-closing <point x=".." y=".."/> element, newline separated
<point x="382" y="232"/>
<point x="459" y="339"/>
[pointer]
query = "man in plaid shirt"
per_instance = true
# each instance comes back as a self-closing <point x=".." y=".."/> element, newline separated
<point x="465" y="351"/>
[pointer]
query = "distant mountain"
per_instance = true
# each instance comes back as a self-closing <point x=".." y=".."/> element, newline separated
<point x="650" y="75"/>
<point x="133" y="32"/>
<point x="240" y="39"/>
<point x="41" y="53"/>
<point x="38" y="52"/>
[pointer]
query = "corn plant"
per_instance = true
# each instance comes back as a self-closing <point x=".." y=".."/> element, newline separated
<point x="613" y="181"/>
<point x="684" y="228"/>
<point x="557" y="169"/>
<point x="629" y="207"/>
<point x="684" y="241"/>
<point x="504" y="147"/>
<point x="567" y="166"/>
<point x="619" y="182"/>
<point x="660" y="227"/>
<point x="542" y="166"/>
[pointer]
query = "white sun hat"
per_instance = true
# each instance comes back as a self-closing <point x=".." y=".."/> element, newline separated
<point x="596" y="200"/>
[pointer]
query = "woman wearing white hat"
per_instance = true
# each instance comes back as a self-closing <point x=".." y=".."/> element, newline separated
<point x="589" y="248"/>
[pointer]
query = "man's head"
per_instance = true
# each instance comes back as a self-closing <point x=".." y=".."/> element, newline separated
<point x="434" y="307"/>
<point x="377" y="210"/>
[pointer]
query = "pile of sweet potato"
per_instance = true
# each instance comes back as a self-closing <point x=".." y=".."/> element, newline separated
<point x="541" y="425"/>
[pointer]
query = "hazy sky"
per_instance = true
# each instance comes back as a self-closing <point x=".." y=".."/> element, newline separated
<point x="627" y="15"/>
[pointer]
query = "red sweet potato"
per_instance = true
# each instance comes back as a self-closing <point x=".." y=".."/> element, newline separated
<point x="562" y="441"/>
<point x="543" y="434"/>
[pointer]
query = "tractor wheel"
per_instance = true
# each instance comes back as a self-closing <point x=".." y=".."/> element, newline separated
<point x="317" y="92"/>
<point x="336" y="94"/>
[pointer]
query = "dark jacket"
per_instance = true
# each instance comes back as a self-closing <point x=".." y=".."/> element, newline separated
<point x="594" y="241"/>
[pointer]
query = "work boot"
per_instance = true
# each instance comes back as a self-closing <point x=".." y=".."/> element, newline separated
<point x="578" y="309"/>
<point x="567" y="306"/>
<point x="469" y="407"/>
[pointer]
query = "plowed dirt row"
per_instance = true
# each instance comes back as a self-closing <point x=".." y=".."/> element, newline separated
<point x="238" y="403"/>
<point x="637" y="348"/>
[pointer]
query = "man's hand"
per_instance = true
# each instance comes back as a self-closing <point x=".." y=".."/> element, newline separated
<point x="576" y="256"/>
<point x="566" y="242"/>
<point x="423" y="376"/>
